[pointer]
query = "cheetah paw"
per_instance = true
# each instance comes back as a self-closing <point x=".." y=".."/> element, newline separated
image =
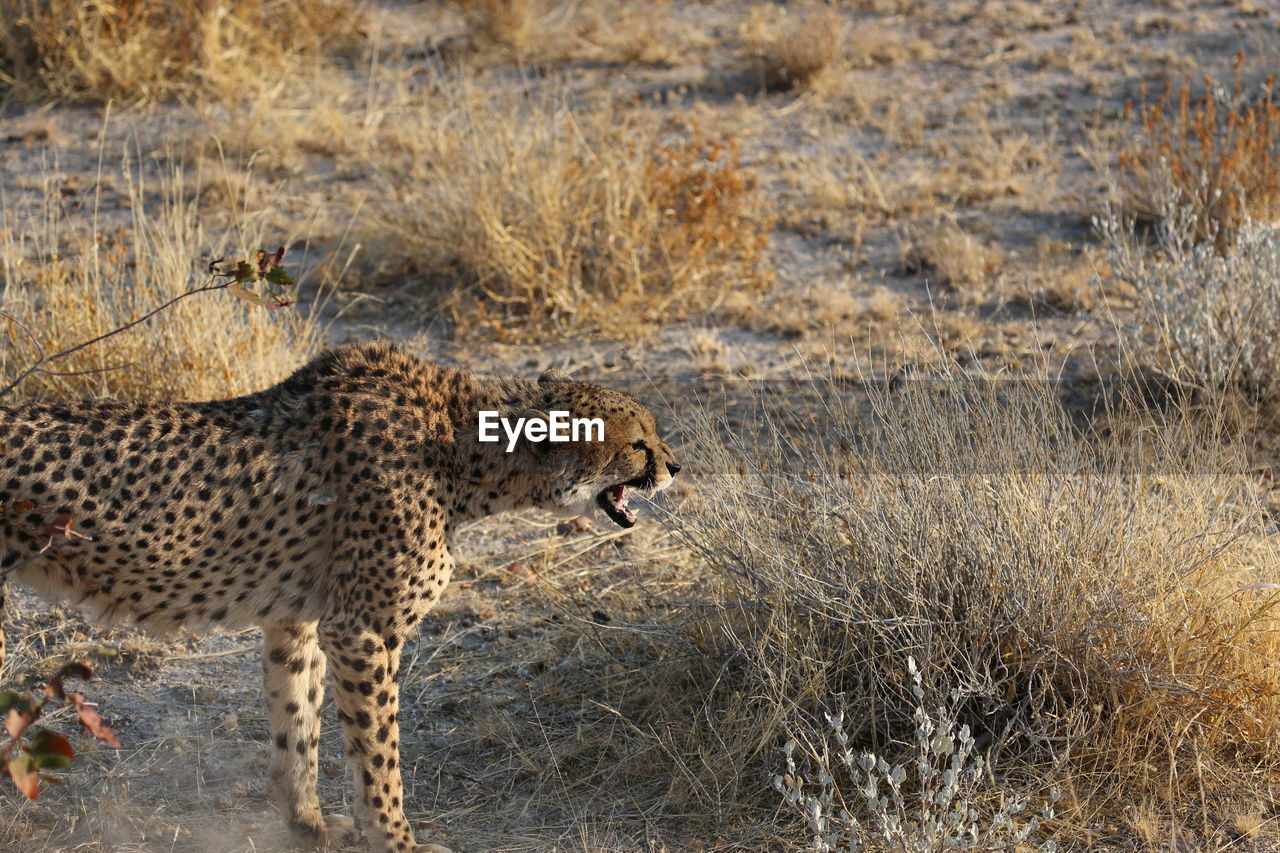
<point x="340" y="830"/>
<point x="432" y="848"/>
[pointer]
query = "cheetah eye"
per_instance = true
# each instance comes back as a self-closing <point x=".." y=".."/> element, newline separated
<point x="640" y="445"/>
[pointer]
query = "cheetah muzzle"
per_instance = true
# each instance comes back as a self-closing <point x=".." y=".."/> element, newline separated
<point x="613" y="500"/>
<point x="319" y="509"/>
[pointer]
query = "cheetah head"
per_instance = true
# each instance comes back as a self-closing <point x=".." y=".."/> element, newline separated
<point x="600" y="472"/>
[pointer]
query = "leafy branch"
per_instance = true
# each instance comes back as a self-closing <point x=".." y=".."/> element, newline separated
<point x="27" y="760"/>
<point x="260" y="283"/>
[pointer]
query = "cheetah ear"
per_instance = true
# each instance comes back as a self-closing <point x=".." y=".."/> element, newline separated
<point x="553" y="374"/>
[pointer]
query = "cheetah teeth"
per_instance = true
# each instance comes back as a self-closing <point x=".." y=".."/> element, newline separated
<point x="614" y="502"/>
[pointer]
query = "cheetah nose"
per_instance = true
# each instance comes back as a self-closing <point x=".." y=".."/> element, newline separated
<point x="673" y="468"/>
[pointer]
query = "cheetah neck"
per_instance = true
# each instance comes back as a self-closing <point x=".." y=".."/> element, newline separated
<point x="488" y="478"/>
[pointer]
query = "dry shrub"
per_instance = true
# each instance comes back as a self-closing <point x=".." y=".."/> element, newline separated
<point x="1100" y="611"/>
<point x="957" y="259"/>
<point x="549" y="32"/>
<point x="791" y="47"/>
<point x="67" y="287"/>
<point x="148" y="49"/>
<point x="516" y="25"/>
<point x="547" y="218"/>
<point x="1214" y="155"/>
<point x="1207" y="316"/>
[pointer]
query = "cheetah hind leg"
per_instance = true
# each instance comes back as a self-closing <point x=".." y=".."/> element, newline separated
<point x="293" y="670"/>
<point x="1" y="630"/>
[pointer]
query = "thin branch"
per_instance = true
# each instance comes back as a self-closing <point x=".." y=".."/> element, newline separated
<point x="52" y="545"/>
<point x="88" y="371"/>
<point x="40" y="359"/>
<point x="38" y="364"/>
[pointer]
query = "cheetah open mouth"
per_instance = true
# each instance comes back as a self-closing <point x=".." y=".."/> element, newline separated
<point x="613" y="501"/>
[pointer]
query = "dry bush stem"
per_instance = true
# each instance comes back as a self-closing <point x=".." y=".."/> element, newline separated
<point x="38" y="366"/>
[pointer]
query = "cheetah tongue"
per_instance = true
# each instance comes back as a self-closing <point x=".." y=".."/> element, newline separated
<point x="614" y="503"/>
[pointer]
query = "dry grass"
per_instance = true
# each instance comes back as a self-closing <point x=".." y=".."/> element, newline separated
<point x="1212" y="156"/>
<point x="68" y="284"/>
<point x="551" y="32"/>
<point x="148" y="50"/>
<point x="849" y="310"/>
<point x="517" y="25"/>
<point x="1063" y="279"/>
<point x="873" y="44"/>
<point x="641" y="33"/>
<point x="1100" y="611"/>
<point x="791" y="46"/>
<point x="987" y="165"/>
<point x="1102" y="608"/>
<point x="545" y="217"/>
<point x="956" y="259"/>
<point x="840" y="191"/>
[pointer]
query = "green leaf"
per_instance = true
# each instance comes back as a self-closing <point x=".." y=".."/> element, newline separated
<point x="8" y="698"/>
<point x="50" y="750"/>
<point x="243" y="271"/>
<point x="276" y="275"/>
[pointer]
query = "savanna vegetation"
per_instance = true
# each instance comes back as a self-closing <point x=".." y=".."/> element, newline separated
<point x="962" y="315"/>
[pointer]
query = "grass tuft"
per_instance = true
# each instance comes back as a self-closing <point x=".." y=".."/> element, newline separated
<point x="547" y="218"/>
<point x="146" y="50"/>
<point x="793" y="47"/>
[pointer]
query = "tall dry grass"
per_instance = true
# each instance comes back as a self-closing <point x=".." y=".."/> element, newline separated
<point x="1100" y="611"/>
<point x="543" y="216"/>
<point x="69" y="280"/>
<point x="148" y="50"/>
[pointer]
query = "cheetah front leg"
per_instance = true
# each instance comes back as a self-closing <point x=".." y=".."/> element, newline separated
<point x="366" y="669"/>
<point x="293" y="668"/>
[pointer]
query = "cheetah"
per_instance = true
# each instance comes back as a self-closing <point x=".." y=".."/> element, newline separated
<point x="319" y="509"/>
